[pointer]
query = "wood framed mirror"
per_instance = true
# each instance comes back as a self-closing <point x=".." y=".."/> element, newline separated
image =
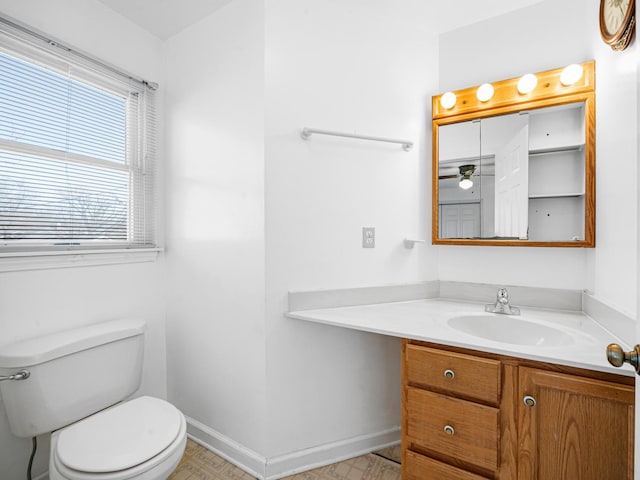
<point x="518" y="168"/>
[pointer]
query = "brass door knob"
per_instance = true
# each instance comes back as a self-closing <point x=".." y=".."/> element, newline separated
<point x="617" y="356"/>
<point x="450" y="374"/>
<point x="448" y="429"/>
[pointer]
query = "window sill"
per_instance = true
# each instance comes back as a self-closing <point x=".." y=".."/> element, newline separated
<point x="19" y="261"/>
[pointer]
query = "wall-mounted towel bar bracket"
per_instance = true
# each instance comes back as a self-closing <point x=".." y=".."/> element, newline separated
<point x="307" y="132"/>
<point x="410" y="242"/>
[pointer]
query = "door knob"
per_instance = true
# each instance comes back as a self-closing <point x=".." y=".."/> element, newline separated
<point x="617" y="356"/>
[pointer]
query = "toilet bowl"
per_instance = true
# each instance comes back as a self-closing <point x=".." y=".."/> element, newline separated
<point x="142" y="439"/>
<point x="77" y="385"/>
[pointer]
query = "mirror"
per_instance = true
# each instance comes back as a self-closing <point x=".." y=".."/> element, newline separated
<point x="517" y="169"/>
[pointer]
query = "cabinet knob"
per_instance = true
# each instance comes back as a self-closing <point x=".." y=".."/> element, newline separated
<point x="529" y="401"/>
<point x="617" y="356"/>
<point x="449" y="374"/>
<point x="448" y="429"/>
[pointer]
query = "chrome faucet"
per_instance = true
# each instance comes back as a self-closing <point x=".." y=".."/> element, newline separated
<point x="502" y="304"/>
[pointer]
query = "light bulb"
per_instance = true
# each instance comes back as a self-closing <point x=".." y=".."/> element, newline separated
<point x="448" y="100"/>
<point x="485" y="92"/>
<point x="466" y="183"/>
<point x="571" y="74"/>
<point x="527" y="83"/>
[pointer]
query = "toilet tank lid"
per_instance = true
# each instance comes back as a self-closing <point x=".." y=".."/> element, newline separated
<point x="37" y="350"/>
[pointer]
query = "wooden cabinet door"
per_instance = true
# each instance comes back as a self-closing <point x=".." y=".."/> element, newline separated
<point x="579" y="428"/>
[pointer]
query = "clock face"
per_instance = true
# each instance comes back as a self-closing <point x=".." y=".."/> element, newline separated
<point x="614" y="13"/>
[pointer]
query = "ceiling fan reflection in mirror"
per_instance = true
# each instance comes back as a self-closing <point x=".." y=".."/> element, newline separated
<point x="466" y="171"/>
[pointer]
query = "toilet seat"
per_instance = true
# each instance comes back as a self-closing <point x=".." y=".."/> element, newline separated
<point x="142" y="439"/>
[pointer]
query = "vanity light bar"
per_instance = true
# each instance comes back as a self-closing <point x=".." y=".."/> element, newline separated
<point x="574" y="78"/>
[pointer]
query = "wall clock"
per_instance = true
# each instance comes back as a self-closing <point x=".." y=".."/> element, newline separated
<point x="617" y="22"/>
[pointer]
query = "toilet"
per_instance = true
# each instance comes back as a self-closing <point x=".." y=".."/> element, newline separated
<point x="78" y="386"/>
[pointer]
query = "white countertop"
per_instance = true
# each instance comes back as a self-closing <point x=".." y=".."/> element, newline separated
<point x="427" y="320"/>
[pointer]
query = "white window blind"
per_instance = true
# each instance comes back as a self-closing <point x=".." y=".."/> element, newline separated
<point x="77" y="150"/>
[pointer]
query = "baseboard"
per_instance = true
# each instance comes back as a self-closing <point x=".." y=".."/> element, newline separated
<point x="280" y="466"/>
<point x="241" y="456"/>
<point x="309" y="458"/>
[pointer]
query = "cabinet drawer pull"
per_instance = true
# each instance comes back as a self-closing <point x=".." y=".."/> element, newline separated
<point x="449" y="374"/>
<point x="529" y="401"/>
<point x="448" y="429"/>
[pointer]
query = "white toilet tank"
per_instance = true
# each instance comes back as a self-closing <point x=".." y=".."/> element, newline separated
<point x="74" y="373"/>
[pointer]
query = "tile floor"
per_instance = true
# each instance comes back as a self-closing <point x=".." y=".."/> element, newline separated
<point x="198" y="463"/>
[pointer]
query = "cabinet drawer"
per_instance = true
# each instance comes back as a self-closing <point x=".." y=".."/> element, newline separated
<point x="419" y="467"/>
<point x="476" y="428"/>
<point x="472" y="377"/>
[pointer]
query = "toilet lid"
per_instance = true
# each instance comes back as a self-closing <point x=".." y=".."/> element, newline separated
<point x="120" y="437"/>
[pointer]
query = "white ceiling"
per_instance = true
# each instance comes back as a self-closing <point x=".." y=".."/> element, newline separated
<point x="164" y="18"/>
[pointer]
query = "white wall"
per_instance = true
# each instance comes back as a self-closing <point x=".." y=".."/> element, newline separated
<point x="353" y="68"/>
<point x="612" y="265"/>
<point x="541" y="37"/>
<point x="323" y="384"/>
<point x="215" y="223"/>
<point x="38" y="302"/>
<point x="346" y="68"/>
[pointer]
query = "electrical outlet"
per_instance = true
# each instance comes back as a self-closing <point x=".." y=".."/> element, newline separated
<point x="368" y="237"/>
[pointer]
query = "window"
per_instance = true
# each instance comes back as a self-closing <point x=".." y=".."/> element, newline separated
<point x="77" y="151"/>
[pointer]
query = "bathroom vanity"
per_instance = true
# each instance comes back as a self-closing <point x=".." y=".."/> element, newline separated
<point x="469" y="415"/>
<point x="500" y="397"/>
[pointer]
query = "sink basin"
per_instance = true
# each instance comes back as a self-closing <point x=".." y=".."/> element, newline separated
<point x="510" y="329"/>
